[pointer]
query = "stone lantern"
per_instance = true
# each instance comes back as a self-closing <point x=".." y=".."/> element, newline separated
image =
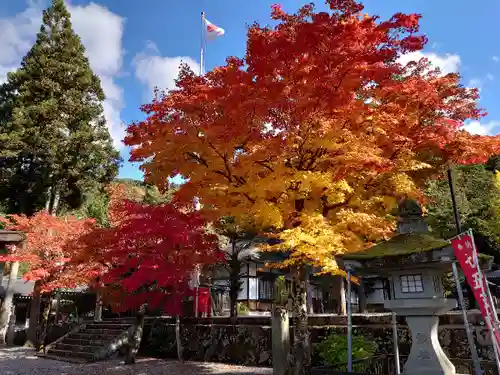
<point x="415" y="262"/>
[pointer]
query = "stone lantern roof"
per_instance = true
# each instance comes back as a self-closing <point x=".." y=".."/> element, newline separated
<point x="413" y="245"/>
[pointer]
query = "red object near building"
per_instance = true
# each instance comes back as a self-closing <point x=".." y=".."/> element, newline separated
<point x="204" y="302"/>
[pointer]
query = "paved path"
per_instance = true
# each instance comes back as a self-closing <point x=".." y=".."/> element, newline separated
<point x="21" y="361"/>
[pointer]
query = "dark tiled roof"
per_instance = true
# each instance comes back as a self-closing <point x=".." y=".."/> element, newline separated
<point x="10" y="237"/>
<point x="25" y="288"/>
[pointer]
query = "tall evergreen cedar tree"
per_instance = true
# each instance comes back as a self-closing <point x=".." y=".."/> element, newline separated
<point x="54" y="143"/>
<point x="314" y="135"/>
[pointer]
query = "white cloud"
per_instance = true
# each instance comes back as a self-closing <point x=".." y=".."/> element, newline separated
<point x="101" y="32"/>
<point x="475" y="127"/>
<point x="495" y="59"/>
<point x="154" y="70"/>
<point x="490" y="77"/>
<point x="475" y="83"/>
<point x="17" y="36"/>
<point x="448" y="63"/>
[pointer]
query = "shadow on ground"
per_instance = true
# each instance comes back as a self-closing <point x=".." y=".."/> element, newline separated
<point x="22" y="361"/>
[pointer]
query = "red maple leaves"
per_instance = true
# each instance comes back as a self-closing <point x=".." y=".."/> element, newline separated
<point x="45" y="249"/>
<point x="146" y="255"/>
<point x="149" y="253"/>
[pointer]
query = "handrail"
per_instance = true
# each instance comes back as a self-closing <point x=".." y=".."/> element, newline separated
<point x="74" y="330"/>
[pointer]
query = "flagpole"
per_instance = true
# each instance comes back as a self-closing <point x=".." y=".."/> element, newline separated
<point x="201" y="42"/>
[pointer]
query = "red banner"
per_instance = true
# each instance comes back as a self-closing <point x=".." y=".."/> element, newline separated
<point x="204" y="303"/>
<point x="466" y="254"/>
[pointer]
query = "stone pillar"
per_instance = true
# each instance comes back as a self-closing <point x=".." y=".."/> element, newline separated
<point x="426" y="354"/>
<point x="11" y="330"/>
<point x="7" y="305"/>
<point x="280" y="327"/>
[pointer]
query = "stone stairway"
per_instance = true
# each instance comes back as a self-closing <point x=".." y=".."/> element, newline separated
<point x="90" y="342"/>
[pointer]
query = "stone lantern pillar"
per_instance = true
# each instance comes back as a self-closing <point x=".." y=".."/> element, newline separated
<point x="418" y="296"/>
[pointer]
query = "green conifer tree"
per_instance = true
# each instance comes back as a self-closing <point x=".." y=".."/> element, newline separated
<point x="54" y="143"/>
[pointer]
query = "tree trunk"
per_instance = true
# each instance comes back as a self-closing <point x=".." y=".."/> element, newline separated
<point x="55" y="204"/>
<point x="178" y="339"/>
<point x="301" y="352"/>
<point x="338" y="292"/>
<point x="135" y="337"/>
<point x="7" y="305"/>
<point x="53" y="198"/>
<point x="48" y="202"/>
<point x="98" y="307"/>
<point x="234" y="288"/>
<point x="45" y="323"/>
<point x="58" y="305"/>
<point x="234" y="279"/>
<point x="310" y="306"/>
<point x="360" y="289"/>
<point x="34" y="316"/>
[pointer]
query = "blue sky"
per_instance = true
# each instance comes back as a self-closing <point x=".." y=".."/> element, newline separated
<point x="134" y="46"/>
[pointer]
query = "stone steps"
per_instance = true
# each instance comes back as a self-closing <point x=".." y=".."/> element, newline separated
<point x="71" y="354"/>
<point x="92" y="342"/>
<point x="108" y="332"/>
<point x="65" y="359"/>
<point x="78" y="348"/>
<point x="86" y="342"/>
<point x="109" y="326"/>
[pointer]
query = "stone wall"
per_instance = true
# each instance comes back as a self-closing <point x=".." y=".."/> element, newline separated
<point x="247" y="340"/>
<point x="244" y="341"/>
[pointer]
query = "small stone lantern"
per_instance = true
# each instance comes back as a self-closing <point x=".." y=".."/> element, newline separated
<point x="415" y="262"/>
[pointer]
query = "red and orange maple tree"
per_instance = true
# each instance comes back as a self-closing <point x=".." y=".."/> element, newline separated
<point x="148" y="253"/>
<point x="45" y="250"/>
<point x="316" y="133"/>
<point x="48" y="257"/>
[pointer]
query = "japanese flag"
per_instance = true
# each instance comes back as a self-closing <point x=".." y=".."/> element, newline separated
<point x="213" y="31"/>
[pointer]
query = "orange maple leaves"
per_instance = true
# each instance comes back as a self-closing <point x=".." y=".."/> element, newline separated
<point x="45" y="249"/>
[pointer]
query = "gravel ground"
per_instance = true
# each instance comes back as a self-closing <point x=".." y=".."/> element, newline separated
<point x="21" y="361"/>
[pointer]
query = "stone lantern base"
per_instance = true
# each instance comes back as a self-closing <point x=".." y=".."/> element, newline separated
<point x="422" y="315"/>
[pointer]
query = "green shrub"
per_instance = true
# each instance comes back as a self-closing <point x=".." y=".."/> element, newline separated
<point x="242" y="309"/>
<point x="333" y="349"/>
